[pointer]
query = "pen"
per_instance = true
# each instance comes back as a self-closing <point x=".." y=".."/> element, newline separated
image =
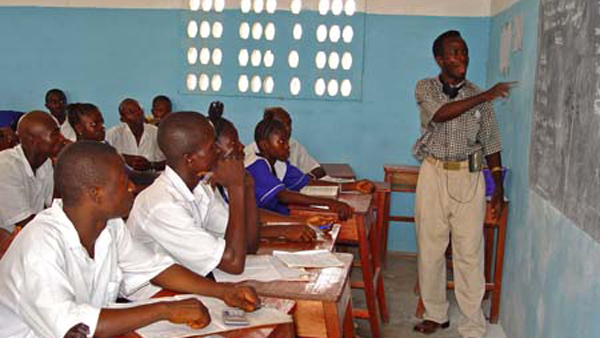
<point x="326" y="226"/>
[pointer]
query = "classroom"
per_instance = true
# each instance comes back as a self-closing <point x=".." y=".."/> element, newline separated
<point x="358" y="110"/>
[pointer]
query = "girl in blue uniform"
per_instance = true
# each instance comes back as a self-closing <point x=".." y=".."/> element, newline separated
<point x="276" y="182"/>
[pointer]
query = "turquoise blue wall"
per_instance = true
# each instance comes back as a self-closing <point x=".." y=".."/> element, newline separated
<point x="551" y="287"/>
<point x="104" y="55"/>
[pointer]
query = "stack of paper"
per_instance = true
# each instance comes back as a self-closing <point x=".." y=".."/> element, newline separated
<point x="330" y="191"/>
<point x="263" y="316"/>
<point x="308" y="259"/>
<point x="262" y="268"/>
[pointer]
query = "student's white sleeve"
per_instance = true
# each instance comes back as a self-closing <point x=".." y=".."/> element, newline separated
<point x="138" y="263"/>
<point x="48" y="303"/>
<point x="16" y="205"/>
<point x="306" y="163"/>
<point x="174" y="229"/>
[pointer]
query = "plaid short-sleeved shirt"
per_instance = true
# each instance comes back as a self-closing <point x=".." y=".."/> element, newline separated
<point x="455" y="139"/>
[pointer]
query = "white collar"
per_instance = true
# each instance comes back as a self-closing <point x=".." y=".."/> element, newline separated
<point x="177" y="182"/>
<point x="25" y="162"/>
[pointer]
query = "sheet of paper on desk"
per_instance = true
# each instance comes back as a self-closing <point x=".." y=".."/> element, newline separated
<point x="308" y="259"/>
<point x="262" y="268"/>
<point x="263" y="316"/>
<point x="328" y="178"/>
<point x="330" y="191"/>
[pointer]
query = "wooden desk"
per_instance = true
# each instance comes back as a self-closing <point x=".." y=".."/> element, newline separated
<point x="323" y="305"/>
<point x="403" y="178"/>
<point x="359" y="230"/>
<point x="285" y="330"/>
<point x="267" y="245"/>
<point x="338" y="170"/>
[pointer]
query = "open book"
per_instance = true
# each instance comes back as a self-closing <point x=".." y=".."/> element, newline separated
<point x="327" y="191"/>
<point x="308" y="259"/>
<point x="263" y="316"/>
<point x="263" y="268"/>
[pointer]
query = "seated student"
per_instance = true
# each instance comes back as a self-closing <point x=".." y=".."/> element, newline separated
<point x="8" y="138"/>
<point x="161" y="107"/>
<point x="88" y="123"/>
<point x="299" y="157"/>
<point x="8" y="128"/>
<point x="278" y="186"/>
<point x="181" y="214"/>
<point x="135" y="139"/>
<point x="75" y="257"/>
<point x="56" y="102"/>
<point x="296" y="229"/>
<point x="26" y="181"/>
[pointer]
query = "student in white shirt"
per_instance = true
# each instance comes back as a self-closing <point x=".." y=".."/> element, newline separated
<point x="182" y="215"/>
<point x="26" y="181"/>
<point x="135" y="139"/>
<point x="88" y="123"/>
<point x="56" y="102"/>
<point x="77" y="256"/>
<point x="299" y="157"/>
<point x="161" y="107"/>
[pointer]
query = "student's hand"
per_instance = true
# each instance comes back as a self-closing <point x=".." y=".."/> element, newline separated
<point x="319" y="220"/>
<point x="343" y="210"/>
<point x="299" y="233"/>
<point x="188" y="311"/>
<point x="243" y="297"/>
<point x="500" y="89"/>
<point x="229" y="172"/>
<point x="364" y="186"/>
<point x="78" y="331"/>
<point x="138" y="162"/>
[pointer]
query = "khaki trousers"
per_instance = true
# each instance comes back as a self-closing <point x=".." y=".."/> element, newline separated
<point x="451" y="202"/>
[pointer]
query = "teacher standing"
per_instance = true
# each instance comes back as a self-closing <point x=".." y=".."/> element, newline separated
<point x="459" y="130"/>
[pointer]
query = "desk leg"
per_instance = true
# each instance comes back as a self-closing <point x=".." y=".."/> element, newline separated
<point x="368" y="276"/>
<point x="349" y="322"/>
<point x="376" y="236"/>
<point x="381" y="199"/>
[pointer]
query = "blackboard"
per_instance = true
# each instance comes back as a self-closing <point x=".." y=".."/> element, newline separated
<point x="565" y="138"/>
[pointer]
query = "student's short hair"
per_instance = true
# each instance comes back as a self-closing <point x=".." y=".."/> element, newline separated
<point x="162" y="98"/>
<point x="126" y="101"/>
<point x="55" y="91"/>
<point x="180" y="132"/>
<point x="82" y="165"/>
<point x="270" y="112"/>
<point x="76" y="110"/>
<point x="438" y="44"/>
<point x="265" y="128"/>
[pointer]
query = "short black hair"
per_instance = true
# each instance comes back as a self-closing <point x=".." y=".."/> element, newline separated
<point x="55" y="91"/>
<point x="438" y="44"/>
<point x="265" y="128"/>
<point x="76" y="110"/>
<point x="181" y="132"/>
<point x="82" y="165"/>
<point x="270" y="112"/>
<point x="162" y="98"/>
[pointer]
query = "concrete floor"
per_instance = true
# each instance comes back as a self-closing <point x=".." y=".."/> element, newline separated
<point x="400" y="276"/>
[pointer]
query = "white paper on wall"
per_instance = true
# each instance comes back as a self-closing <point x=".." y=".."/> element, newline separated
<point x="505" y="47"/>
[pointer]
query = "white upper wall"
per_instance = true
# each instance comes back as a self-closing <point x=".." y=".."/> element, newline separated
<point x="390" y="7"/>
<point x="498" y="6"/>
